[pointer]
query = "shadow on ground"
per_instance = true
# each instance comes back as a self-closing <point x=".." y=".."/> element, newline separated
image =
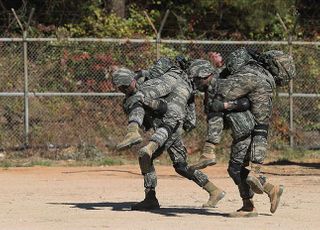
<point x="165" y="211"/>
<point x="287" y="162"/>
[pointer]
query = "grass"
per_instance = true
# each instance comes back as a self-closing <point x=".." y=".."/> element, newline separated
<point x="25" y="163"/>
<point x="297" y="155"/>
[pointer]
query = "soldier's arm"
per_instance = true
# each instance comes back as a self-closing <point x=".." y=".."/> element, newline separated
<point x="191" y="116"/>
<point x="158" y="87"/>
<point x="152" y="91"/>
<point x="238" y="105"/>
<point x="236" y="86"/>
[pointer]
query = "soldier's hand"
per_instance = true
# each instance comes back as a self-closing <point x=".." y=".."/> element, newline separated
<point x="159" y="106"/>
<point x="216" y="106"/>
<point x="134" y="99"/>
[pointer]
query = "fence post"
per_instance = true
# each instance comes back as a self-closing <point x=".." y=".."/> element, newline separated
<point x="158" y="33"/>
<point x="291" y="125"/>
<point x="24" y="30"/>
<point x="290" y="33"/>
<point x="26" y="90"/>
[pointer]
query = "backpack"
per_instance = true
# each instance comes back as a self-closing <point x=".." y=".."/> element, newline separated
<point x="279" y="64"/>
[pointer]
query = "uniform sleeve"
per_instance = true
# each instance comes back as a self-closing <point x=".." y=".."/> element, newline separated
<point x="191" y="117"/>
<point x="236" y="86"/>
<point x="158" y="87"/>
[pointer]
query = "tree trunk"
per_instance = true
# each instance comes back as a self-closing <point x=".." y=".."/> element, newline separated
<point x="118" y="7"/>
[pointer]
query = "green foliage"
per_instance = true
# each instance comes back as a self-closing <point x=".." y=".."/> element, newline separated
<point x="102" y="24"/>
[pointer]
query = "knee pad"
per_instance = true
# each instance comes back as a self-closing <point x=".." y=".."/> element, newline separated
<point x="244" y="173"/>
<point x="182" y="169"/>
<point x="261" y="130"/>
<point x="234" y="171"/>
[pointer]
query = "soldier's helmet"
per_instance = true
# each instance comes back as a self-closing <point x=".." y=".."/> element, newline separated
<point x="122" y="77"/>
<point x="160" y="67"/>
<point x="237" y="59"/>
<point x="200" y="68"/>
<point x="280" y="65"/>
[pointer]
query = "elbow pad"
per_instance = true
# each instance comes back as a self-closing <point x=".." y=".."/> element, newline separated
<point x="162" y="107"/>
<point x="239" y="105"/>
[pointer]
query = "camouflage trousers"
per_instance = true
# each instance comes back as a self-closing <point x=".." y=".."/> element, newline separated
<point x="178" y="155"/>
<point x="239" y="159"/>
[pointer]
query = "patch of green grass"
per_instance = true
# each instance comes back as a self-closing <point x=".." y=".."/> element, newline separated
<point x="46" y="163"/>
<point x="111" y="161"/>
<point x="299" y="155"/>
<point x="5" y="164"/>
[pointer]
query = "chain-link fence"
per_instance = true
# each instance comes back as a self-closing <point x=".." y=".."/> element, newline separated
<point x="57" y="94"/>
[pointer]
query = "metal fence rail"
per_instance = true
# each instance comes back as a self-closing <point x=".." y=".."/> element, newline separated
<point x="54" y="92"/>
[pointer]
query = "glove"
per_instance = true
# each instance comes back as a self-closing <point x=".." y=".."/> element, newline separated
<point x="239" y="105"/>
<point x="216" y="106"/>
<point x="133" y="100"/>
<point x="158" y="106"/>
<point x="188" y="126"/>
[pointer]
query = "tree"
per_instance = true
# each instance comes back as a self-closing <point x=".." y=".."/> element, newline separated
<point x="118" y="7"/>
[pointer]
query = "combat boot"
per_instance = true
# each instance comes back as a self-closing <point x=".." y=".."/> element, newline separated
<point x="253" y="179"/>
<point x="274" y="193"/>
<point x="145" y="155"/>
<point x="207" y="158"/>
<point x="150" y="202"/>
<point x="132" y="137"/>
<point x="247" y="210"/>
<point x="215" y="195"/>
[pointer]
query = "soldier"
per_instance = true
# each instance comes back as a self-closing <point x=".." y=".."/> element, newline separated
<point x="255" y="78"/>
<point x="168" y="130"/>
<point x="256" y="75"/>
<point x="241" y="122"/>
<point x="165" y="84"/>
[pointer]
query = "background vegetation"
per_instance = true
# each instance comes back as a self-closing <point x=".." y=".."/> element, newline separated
<point x="80" y="128"/>
<point x="189" y="19"/>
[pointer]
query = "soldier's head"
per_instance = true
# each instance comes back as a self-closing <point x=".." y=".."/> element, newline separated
<point x="216" y="59"/>
<point x="160" y="67"/>
<point x="201" y="72"/>
<point x="237" y="59"/>
<point x="123" y="80"/>
<point x="280" y="65"/>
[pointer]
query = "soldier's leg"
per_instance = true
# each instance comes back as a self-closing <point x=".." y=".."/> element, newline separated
<point x="239" y="173"/>
<point x="214" y="132"/>
<point x="256" y="179"/>
<point x="133" y="136"/>
<point x="178" y="155"/>
<point x="261" y="109"/>
<point x="150" y="201"/>
<point x="156" y="142"/>
<point x="150" y="182"/>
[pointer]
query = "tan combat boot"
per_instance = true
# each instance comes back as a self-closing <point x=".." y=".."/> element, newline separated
<point x="253" y="179"/>
<point x="145" y="155"/>
<point x="215" y="195"/>
<point x="132" y="137"/>
<point x="247" y="210"/>
<point x="150" y="202"/>
<point x="207" y="158"/>
<point x="274" y="193"/>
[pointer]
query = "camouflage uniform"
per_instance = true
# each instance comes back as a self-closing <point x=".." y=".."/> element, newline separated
<point x="176" y="90"/>
<point x="248" y="78"/>
<point x="168" y="128"/>
<point x="251" y="78"/>
<point x="255" y="76"/>
<point x="241" y="125"/>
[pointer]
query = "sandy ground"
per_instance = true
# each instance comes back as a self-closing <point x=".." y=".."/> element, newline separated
<point x="100" y="198"/>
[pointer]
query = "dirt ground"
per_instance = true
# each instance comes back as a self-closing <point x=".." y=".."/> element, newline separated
<point x="100" y="198"/>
